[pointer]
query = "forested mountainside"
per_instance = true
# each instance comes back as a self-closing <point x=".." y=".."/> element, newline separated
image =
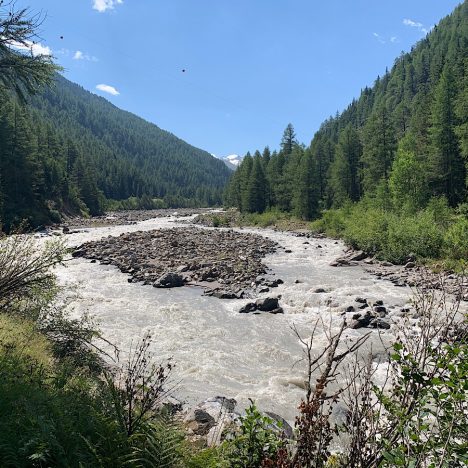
<point x="403" y="142"/>
<point x="69" y="150"/>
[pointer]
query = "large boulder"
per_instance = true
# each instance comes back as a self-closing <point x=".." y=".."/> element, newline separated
<point x="199" y="422"/>
<point x="267" y="304"/>
<point x="212" y="419"/>
<point x="169" y="280"/>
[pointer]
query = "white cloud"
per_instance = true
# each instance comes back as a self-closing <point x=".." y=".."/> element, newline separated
<point x="415" y="24"/>
<point x="394" y="39"/>
<point x="379" y="38"/>
<point x="103" y="5"/>
<point x="35" y="48"/>
<point x="81" y="56"/>
<point x="107" y="89"/>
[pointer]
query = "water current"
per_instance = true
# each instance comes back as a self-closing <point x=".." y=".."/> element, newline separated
<point x="218" y="351"/>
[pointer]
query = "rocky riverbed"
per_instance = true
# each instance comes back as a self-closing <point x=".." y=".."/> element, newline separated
<point x="226" y="263"/>
<point x="129" y="217"/>
<point x="409" y="274"/>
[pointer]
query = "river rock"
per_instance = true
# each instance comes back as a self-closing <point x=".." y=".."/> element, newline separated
<point x="199" y="421"/>
<point x="357" y="256"/>
<point x="249" y="307"/>
<point x="169" y="280"/>
<point x="380" y="309"/>
<point x="211" y="420"/>
<point x="379" y="323"/>
<point x="361" y="322"/>
<point x="221" y="261"/>
<point x="267" y="304"/>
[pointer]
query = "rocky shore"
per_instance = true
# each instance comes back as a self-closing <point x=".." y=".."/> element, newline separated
<point x="127" y="217"/>
<point x="410" y="274"/>
<point x="227" y="264"/>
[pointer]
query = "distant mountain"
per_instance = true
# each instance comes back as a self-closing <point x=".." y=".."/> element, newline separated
<point x="232" y="161"/>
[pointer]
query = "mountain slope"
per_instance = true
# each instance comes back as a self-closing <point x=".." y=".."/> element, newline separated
<point x="69" y="151"/>
<point x="403" y="142"/>
<point x="132" y="157"/>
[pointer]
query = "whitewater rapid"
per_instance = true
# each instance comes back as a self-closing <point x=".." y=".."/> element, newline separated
<point x="218" y="351"/>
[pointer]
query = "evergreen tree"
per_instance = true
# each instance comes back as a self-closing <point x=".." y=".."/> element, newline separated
<point x="289" y="141"/>
<point x="306" y="194"/>
<point x="256" y="198"/>
<point x="344" y="178"/>
<point x="379" y="146"/>
<point x="447" y="169"/>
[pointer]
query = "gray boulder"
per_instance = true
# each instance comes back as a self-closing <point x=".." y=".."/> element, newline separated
<point x="267" y="304"/>
<point x="169" y="280"/>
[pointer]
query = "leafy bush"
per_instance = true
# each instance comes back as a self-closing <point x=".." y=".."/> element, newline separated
<point x="456" y="240"/>
<point x="366" y="228"/>
<point x="418" y="235"/>
<point x="256" y="441"/>
<point x="331" y="223"/>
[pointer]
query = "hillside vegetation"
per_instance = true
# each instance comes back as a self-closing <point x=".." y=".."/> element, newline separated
<point x="389" y="173"/>
<point x="70" y="151"/>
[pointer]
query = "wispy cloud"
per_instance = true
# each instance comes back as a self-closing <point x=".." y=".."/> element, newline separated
<point x="35" y="48"/>
<point x="384" y="40"/>
<point x="104" y="5"/>
<point x="107" y="89"/>
<point x="81" y="56"/>
<point x="415" y="24"/>
<point x="379" y="38"/>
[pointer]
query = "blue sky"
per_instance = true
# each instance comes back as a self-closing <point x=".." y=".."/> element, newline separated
<point x="251" y="66"/>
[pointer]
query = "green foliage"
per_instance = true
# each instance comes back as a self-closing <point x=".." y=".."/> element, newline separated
<point x="455" y="242"/>
<point x="332" y="223"/>
<point x="22" y="73"/>
<point x="407" y="183"/>
<point x="434" y="427"/>
<point x="256" y="440"/>
<point x="393" y="236"/>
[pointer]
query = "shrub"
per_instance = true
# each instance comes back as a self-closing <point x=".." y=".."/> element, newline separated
<point x="256" y="441"/>
<point x="366" y="228"/>
<point x="331" y="223"/>
<point x="456" y="240"/>
<point x="417" y="234"/>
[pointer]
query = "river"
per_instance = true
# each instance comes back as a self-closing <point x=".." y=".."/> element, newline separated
<point x="218" y="351"/>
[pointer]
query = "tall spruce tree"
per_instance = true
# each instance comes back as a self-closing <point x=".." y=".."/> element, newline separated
<point x="256" y="198"/>
<point x="379" y="145"/>
<point x="344" y="177"/>
<point x="289" y="140"/>
<point x="306" y="193"/>
<point x="447" y="175"/>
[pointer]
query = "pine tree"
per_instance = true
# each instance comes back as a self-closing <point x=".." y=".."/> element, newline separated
<point x="344" y="177"/>
<point x="306" y="194"/>
<point x="256" y="198"/>
<point x="446" y="163"/>
<point x="379" y="146"/>
<point x="289" y="141"/>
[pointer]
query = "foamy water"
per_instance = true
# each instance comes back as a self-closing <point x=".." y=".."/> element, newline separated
<point x="218" y="351"/>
